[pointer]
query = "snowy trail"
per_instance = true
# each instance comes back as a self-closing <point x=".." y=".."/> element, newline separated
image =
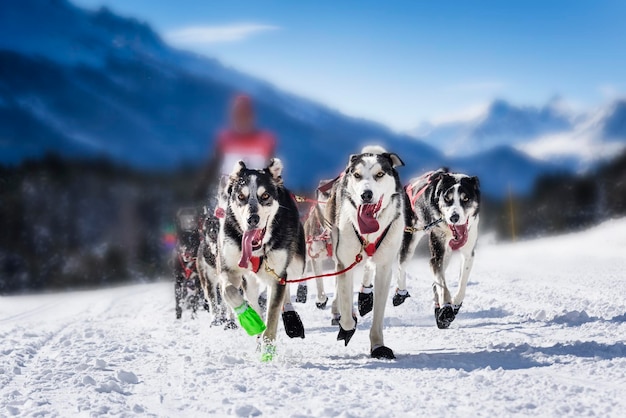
<point x="542" y="332"/>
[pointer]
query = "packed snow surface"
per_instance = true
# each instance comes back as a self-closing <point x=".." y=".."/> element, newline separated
<point x="541" y="332"/>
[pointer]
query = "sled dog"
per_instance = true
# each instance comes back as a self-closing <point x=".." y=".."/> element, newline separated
<point x="445" y="207"/>
<point x="262" y="239"/>
<point x="366" y="211"/>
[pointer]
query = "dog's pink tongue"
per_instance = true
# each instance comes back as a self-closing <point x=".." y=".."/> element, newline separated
<point x="246" y="247"/>
<point x="460" y="236"/>
<point x="366" y="215"/>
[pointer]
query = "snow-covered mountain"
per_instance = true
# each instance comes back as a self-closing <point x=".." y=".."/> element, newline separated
<point x="91" y="83"/>
<point x="596" y="136"/>
<point x="552" y="133"/>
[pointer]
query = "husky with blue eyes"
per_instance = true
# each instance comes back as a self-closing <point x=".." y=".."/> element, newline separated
<point x="366" y="211"/>
<point x="445" y="207"/>
<point x="261" y="239"/>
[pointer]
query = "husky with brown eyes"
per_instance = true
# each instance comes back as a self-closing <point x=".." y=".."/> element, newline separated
<point x="366" y="211"/>
<point x="445" y="207"/>
<point x="261" y="239"/>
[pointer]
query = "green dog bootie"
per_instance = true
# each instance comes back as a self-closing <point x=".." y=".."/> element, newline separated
<point x="268" y="352"/>
<point x="249" y="319"/>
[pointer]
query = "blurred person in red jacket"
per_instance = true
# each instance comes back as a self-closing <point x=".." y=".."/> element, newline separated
<point x="240" y="141"/>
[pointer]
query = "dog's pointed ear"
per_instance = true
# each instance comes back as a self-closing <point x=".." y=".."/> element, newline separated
<point x="396" y="161"/>
<point x="476" y="181"/>
<point x="438" y="175"/>
<point x="351" y="160"/>
<point x="239" y="166"/>
<point x="276" y="169"/>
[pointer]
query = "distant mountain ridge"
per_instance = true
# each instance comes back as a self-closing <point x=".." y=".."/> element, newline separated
<point x="550" y="133"/>
<point x="82" y="83"/>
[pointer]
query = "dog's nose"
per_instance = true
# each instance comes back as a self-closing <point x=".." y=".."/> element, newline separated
<point x="253" y="220"/>
<point x="366" y="196"/>
<point x="454" y="218"/>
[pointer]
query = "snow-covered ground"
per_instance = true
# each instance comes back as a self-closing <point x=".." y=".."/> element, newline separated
<point x="542" y="332"/>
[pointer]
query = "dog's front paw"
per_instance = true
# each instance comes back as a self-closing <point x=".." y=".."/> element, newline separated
<point x="268" y="352"/>
<point x="344" y="335"/>
<point x="366" y="301"/>
<point x="293" y="324"/>
<point x="249" y="319"/>
<point x="383" y="352"/>
<point x="322" y="305"/>
<point x="457" y="308"/>
<point x="444" y="316"/>
<point x="400" y="297"/>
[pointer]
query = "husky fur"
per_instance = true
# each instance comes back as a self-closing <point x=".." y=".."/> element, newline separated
<point x="366" y="206"/>
<point x="261" y="223"/>
<point x="445" y="208"/>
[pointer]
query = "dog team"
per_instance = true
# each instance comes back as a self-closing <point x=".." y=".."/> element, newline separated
<point x="366" y="217"/>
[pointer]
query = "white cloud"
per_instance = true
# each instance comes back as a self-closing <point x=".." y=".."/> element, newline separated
<point x="214" y="34"/>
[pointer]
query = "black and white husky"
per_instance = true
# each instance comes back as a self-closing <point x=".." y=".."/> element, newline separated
<point x="445" y="207"/>
<point x="262" y="238"/>
<point x="366" y="210"/>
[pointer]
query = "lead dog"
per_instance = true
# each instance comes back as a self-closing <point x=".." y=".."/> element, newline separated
<point x="262" y="238"/>
<point x="366" y="209"/>
<point x="445" y="207"/>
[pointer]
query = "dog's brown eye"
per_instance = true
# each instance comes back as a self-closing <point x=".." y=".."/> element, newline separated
<point x="379" y="174"/>
<point x="357" y="176"/>
<point x="465" y="198"/>
<point x="265" y="196"/>
<point x="241" y="196"/>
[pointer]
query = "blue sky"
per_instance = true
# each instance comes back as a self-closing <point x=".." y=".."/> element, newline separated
<point x="403" y="62"/>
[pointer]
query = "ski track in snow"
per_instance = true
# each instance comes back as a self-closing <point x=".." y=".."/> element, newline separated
<point x="541" y="333"/>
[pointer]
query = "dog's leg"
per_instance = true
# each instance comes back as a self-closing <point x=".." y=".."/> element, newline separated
<point x="276" y="299"/>
<point x="347" y="321"/>
<point x="322" y="299"/>
<point x="334" y="307"/>
<point x="178" y="293"/>
<point x="251" y="290"/>
<point x="366" y="295"/>
<point x="381" y="293"/>
<point x="444" y="313"/>
<point x="248" y="317"/>
<point x="291" y="319"/>
<point x="406" y="254"/>
<point x="466" y="268"/>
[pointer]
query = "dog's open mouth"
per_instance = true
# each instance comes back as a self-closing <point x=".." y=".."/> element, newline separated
<point x="459" y="237"/>
<point x="251" y="240"/>
<point x="366" y="215"/>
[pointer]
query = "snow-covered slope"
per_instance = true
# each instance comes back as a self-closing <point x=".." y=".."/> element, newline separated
<point x="542" y="333"/>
